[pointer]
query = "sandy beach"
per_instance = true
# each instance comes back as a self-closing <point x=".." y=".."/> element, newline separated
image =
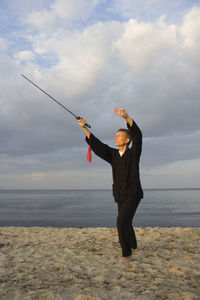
<point x="83" y="264"/>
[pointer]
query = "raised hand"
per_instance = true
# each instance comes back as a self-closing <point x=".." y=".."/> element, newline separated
<point x="81" y="122"/>
<point x="121" y="112"/>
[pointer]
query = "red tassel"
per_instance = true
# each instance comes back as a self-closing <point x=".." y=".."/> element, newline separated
<point x="89" y="155"/>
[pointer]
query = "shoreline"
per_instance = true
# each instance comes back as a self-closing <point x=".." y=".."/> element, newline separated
<point x="47" y="263"/>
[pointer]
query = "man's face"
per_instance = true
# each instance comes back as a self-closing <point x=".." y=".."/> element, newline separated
<point x="121" y="139"/>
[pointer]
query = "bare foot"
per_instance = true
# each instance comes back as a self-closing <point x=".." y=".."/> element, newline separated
<point x="126" y="260"/>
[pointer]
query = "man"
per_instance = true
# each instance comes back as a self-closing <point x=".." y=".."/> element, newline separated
<point x="127" y="190"/>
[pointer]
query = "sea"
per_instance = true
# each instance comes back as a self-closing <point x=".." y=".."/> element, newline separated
<point x="96" y="208"/>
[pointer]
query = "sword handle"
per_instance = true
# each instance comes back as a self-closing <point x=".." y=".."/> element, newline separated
<point x="86" y="124"/>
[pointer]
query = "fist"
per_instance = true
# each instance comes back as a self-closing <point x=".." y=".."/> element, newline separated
<point x="81" y="122"/>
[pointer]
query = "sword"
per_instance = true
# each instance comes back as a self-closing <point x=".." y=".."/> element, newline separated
<point x="69" y="111"/>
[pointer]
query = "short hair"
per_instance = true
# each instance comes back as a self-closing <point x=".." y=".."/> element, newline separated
<point x="127" y="134"/>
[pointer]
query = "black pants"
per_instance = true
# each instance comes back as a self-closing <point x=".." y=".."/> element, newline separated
<point x="126" y="233"/>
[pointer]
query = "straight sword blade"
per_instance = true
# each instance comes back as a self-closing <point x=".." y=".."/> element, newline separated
<point x="69" y="111"/>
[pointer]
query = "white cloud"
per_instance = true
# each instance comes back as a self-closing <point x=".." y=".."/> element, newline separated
<point x="42" y="20"/>
<point x="61" y="13"/>
<point x="142" y="45"/>
<point x="82" y="55"/>
<point x="164" y="78"/>
<point x="190" y="32"/>
<point x="74" y="9"/>
<point x="25" y="55"/>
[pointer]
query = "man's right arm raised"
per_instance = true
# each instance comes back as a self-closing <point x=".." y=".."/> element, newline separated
<point x="82" y="123"/>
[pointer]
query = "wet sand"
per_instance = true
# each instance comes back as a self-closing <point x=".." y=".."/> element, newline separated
<point x="83" y="264"/>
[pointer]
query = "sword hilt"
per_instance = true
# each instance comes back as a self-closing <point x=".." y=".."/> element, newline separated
<point x="86" y="124"/>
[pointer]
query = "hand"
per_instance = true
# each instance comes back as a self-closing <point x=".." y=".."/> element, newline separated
<point x="121" y="112"/>
<point x="81" y="122"/>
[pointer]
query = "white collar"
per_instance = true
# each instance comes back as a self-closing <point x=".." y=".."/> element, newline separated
<point x="121" y="153"/>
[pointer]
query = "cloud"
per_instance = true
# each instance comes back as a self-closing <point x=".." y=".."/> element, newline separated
<point x="183" y="174"/>
<point x="38" y="176"/>
<point x="74" y="9"/>
<point x="24" y="6"/>
<point x="142" y="45"/>
<point x="25" y="55"/>
<point x="164" y="73"/>
<point x="190" y="33"/>
<point x="150" y="10"/>
<point x="61" y="14"/>
<point x="4" y="44"/>
<point x="42" y="20"/>
<point x="150" y="68"/>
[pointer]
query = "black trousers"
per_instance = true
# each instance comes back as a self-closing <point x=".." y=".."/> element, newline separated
<point x="126" y="233"/>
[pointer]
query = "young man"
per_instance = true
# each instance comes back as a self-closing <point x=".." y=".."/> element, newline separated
<point x="127" y="190"/>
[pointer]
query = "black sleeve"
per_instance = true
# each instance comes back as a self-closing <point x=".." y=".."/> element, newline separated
<point x="136" y="136"/>
<point x="100" y="149"/>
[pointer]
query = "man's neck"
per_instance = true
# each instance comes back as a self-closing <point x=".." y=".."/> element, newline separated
<point x="122" y="149"/>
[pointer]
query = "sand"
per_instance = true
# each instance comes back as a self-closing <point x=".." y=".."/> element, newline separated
<point x="83" y="264"/>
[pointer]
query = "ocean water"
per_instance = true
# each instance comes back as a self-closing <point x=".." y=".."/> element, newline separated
<point x="96" y="208"/>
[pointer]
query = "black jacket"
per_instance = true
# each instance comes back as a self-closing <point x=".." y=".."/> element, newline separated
<point x="125" y="169"/>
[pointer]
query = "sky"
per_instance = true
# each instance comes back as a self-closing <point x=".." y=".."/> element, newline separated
<point x="94" y="55"/>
